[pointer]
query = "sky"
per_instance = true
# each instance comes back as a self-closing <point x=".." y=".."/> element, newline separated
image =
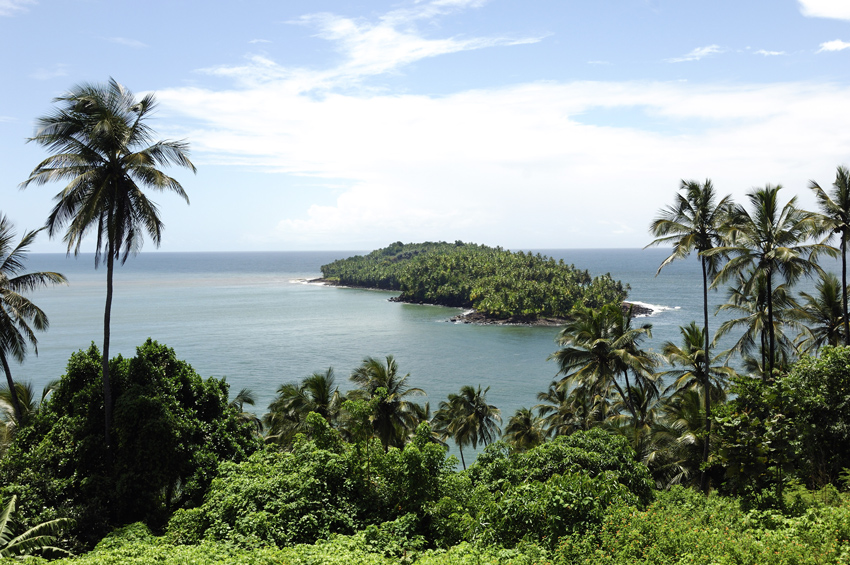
<point x="348" y="125"/>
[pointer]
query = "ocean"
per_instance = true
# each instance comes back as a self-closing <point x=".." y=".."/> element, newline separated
<point x="250" y="318"/>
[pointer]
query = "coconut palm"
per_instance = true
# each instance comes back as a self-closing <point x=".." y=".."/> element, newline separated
<point x="600" y="347"/>
<point x="822" y="315"/>
<point x="101" y="144"/>
<point x="566" y="408"/>
<point x="694" y="223"/>
<point x="395" y="417"/>
<point x="468" y="419"/>
<point x="769" y="244"/>
<point x="525" y="430"/>
<point x="19" y="317"/>
<point x="749" y="302"/>
<point x="835" y="221"/>
<point x="317" y="393"/>
<point x="246" y="396"/>
<point x="689" y="366"/>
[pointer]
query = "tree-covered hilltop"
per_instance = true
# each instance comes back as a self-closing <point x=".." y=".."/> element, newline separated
<point x="494" y="281"/>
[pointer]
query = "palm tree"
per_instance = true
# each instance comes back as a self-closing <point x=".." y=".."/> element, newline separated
<point x="395" y="418"/>
<point x="766" y="243"/>
<point x="566" y="408"/>
<point x="246" y="396"/>
<point x="822" y="315"/>
<point x="835" y="220"/>
<point x="468" y="419"/>
<point x="525" y="430"/>
<point x="599" y="347"/>
<point x="317" y="393"/>
<point x="103" y="147"/>
<point x="690" y="356"/>
<point x="694" y="223"/>
<point x="18" y="315"/>
<point x="749" y="301"/>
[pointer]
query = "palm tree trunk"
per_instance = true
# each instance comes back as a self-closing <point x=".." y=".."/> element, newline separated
<point x="844" y="287"/>
<point x="13" y="392"/>
<point x="706" y="386"/>
<point x="628" y="398"/>
<point x="107" y="384"/>
<point x="770" y="333"/>
<point x="460" y="448"/>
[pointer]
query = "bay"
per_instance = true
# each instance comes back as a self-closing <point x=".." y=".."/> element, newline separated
<point x="249" y="317"/>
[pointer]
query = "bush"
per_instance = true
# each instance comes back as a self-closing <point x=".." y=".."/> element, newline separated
<point x="170" y="430"/>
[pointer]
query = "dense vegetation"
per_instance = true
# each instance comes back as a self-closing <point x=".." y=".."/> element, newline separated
<point x="141" y="460"/>
<point x="493" y="281"/>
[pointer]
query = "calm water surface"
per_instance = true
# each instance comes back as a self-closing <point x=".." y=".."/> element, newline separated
<point x="249" y="318"/>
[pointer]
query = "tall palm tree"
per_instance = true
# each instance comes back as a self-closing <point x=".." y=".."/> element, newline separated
<point x="566" y="408"/>
<point x="317" y="393"/>
<point x="769" y="242"/>
<point x="468" y="419"/>
<point x="525" y="430"/>
<point x="822" y="315"/>
<point x="101" y="144"/>
<point x="600" y="347"/>
<point x="19" y="317"/>
<point x="395" y="417"/>
<point x="694" y="223"/>
<point x="748" y="300"/>
<point x="835" y="221"/>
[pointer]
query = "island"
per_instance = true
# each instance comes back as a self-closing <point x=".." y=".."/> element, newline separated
<point x="492" y="284"/>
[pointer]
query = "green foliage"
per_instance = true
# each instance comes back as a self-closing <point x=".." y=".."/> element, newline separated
<point x="792" y="427"/>
<point x="171" y="429"/>
<point x="493" y="281"/>
<point x="37" y="539"/>
<point x="594" y="452"/>
<point x="684" y="526"/>
<point x="323" y="486"/>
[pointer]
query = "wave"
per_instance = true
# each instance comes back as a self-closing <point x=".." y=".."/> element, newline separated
<point x="656" y="308"/>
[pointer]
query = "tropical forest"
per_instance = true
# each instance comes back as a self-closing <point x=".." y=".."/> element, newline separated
<point x="691" y="453"/>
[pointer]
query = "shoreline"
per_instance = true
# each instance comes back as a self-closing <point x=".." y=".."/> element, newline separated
<point x="477" y="318"/>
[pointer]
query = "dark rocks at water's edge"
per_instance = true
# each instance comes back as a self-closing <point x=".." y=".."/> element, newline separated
<point x="480" y="318"/>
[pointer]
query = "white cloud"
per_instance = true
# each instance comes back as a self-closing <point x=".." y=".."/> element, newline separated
<point x="135" y="43"/>
<point x="836" y="9"/>
<point x="58" y="70"/>
<point x="254" y="41"/>
<point x="511" y="166"/>
<point x="769" y="53"/>
<point x="697" y="54"/>
<point x="835" y="45"/>
<point x="13" y="7"/>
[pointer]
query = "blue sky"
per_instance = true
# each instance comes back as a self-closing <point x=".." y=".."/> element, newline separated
<point x="349" y="125"/>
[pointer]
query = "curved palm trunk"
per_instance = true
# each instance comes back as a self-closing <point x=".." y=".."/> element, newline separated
<point x="460" y="448"/>
<point x="107" y="384"/>
<point x="706" y="386"/>
<point x="844" y="287"/>
<point x="13" y="392"/>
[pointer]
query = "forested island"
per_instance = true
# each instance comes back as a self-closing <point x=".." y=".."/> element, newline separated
<point x="499" y="285"/>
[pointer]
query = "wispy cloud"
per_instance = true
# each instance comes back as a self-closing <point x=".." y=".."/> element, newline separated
<point x="697" y="54"/>
<point x="13" y="7"/>
<point x="835" y="45"/>
<point x="368" y="47"/>
<point x="836" y="9"/>
<point x="134" y="43"/>
<point x="58" y="70"/>
<point x="6" y="119"/>
<point x="254" y="41"/>
<point x="598" y="63"/>
<point x="769" y="53"/>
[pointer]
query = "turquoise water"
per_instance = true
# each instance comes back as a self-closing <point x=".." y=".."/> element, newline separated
<point x="248" y="317"/>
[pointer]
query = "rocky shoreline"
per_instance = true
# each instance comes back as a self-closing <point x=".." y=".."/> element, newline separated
<point x="479" y="318"/>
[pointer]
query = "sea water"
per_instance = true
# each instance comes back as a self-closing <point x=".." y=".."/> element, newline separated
<point x="250" y="318"/>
